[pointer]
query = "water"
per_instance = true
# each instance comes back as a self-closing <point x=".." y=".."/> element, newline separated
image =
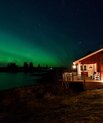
<point x="13" y="80"/>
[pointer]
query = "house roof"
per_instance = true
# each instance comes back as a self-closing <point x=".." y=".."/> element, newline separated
<point x="97" y="51"/>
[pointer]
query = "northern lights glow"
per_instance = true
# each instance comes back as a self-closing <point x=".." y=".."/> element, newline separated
<point x="48" y="33"/>
<point x="19" y="51"/>
<point x="44" y="50"/>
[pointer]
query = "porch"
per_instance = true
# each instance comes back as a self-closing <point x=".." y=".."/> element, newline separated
<point x="87" y="82"/>
<point x="74" y="77"/>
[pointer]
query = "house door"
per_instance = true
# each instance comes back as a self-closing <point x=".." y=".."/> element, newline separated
<point x="90" y="70"/>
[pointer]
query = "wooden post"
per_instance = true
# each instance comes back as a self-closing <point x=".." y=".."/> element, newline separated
<point x="72" y="77"/>
<point x="84" y="79"/>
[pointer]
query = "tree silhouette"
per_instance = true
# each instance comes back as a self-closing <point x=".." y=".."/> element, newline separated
<point x="31" y="67"/>
<point x="25" y="67"/>
<point x="12" y="67"/>
<point x="38" y="65"/>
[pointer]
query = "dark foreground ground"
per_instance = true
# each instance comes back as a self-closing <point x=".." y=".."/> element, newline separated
<point x="49" y="104"/>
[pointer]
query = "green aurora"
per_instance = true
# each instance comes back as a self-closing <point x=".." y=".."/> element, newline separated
<point x="16" y="50"/>
<point x="46" y="32"/>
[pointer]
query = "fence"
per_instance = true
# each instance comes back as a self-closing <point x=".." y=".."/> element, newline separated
<point x="73" y="76"/>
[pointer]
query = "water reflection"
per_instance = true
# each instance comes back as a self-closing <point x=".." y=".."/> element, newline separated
<point x="12" y="80"/>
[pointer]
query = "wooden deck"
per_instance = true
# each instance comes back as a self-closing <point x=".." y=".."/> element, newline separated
<point x="94" y="85"/>
<point x="88" y="84"/>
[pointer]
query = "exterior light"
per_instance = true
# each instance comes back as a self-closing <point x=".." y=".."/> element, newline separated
<point x="51" y="68"/>
<point x="74" y="66"/>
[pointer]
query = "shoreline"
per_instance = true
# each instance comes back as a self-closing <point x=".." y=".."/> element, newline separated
<point x="49" y="103"/>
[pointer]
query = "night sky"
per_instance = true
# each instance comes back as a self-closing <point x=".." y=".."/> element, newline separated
<point x="49" y="32"/>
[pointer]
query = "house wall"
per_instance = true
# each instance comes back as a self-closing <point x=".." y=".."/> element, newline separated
<point x="97" y="60"/>
<point x="78" y="69"/>
<point x="90" y="69"/>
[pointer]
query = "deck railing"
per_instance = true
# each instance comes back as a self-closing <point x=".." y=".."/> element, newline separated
<point x="76" y="77"/>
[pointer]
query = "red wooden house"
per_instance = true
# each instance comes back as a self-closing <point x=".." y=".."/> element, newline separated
<point x="91" y="65"/>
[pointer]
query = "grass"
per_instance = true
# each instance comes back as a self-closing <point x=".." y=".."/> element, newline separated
<point x="26" y="106"/>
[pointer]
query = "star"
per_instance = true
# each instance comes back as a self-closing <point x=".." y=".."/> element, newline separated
<point x="80" y="42"/>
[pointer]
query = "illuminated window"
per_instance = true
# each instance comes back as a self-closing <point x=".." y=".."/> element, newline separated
<point x="81" y="67"/>
<point x="84" y="67"/>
